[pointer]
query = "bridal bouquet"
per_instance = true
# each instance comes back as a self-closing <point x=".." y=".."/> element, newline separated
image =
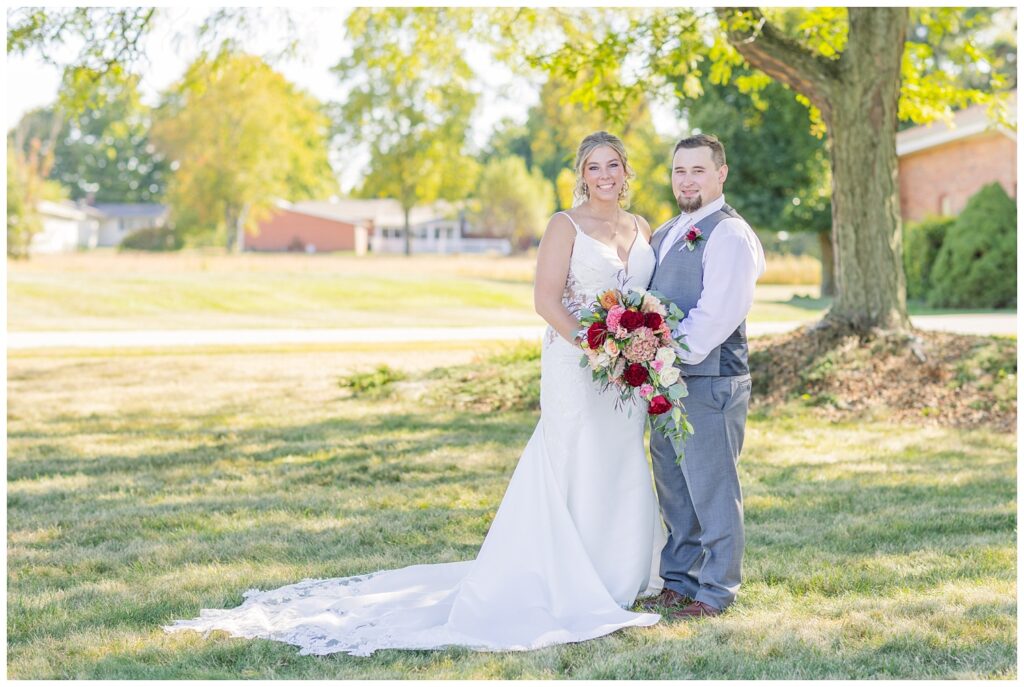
<point x="628" y="345"/>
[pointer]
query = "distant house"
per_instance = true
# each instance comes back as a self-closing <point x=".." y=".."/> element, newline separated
<point x="310" y="226"/>
<point x="942" y="166"/>
<point x="67" y="227"/>
<point x="121" y="219"/>
<point x="374" y="224"/>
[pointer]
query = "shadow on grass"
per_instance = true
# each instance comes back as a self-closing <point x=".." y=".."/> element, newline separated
<point x="138" y="541"/>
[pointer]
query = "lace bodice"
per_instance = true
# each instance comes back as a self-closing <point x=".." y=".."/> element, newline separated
<point x="596" y="267"/>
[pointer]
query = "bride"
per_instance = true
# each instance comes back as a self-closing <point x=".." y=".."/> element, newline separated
<point x="576" y="538"/>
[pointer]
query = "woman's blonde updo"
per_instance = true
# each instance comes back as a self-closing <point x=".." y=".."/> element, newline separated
<point x="587" y="146"/>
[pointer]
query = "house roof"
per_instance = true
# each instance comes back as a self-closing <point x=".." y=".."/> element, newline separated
<point x="381" y="212"/>
<point x="971" y="121"/>
<point x="131" y="209"/>
<point x="61" y="209"/>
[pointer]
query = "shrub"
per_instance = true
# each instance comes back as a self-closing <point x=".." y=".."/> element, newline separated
<point x="508" y="379"/>
<point x="921" y="244"/>
<point x="977" y="264"/>
<point x="153" y="239"/>
<point x="373" y="384"/>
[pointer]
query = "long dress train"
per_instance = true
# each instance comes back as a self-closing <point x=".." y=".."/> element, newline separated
<point x="575" y="540"/>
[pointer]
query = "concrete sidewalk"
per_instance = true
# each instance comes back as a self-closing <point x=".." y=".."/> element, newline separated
<point x="965" y="324"/>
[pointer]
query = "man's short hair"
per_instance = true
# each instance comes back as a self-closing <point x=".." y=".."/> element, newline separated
<point x="704" y="141"/>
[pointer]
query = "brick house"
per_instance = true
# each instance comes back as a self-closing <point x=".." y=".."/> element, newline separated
<point x="310" y="226"/>
<point x="362" y="225"/>
<point x="942" y="166"/>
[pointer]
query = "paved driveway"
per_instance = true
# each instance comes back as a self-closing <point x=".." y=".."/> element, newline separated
<point x="967" y="324"/>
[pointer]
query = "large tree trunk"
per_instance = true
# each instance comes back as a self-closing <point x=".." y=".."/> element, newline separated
<point x="870" y="285"/>
<point x="408" y="232"/>
<point x="828" y="265"/>
<point x="229" y="228"/>
<point x="858" y="97"/>
<point x="240" y="230"/>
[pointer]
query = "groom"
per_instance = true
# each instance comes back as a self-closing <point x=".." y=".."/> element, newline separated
<point x="708" y="262"/>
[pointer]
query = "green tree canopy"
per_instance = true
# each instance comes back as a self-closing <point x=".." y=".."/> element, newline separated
<point x="856" y="67"/>
<point x="409" y="100"/>
<point x="514" y="202"/>
<point x="104" y="151"/>
<point x="240" y="137"/>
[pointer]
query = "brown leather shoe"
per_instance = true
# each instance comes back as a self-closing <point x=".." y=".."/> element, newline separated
<point x="667" y="599"/>
<point x="698" y="609"/>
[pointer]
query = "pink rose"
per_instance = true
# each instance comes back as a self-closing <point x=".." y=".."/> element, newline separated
<point x="657" y="365"/>
<point x="614" y="315"/>
<point x="646" y="391"/>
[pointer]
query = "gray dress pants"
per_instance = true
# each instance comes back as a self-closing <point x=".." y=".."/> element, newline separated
<point x="701" y="501"/>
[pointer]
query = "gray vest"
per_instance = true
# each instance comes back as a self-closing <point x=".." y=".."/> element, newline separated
<point x="680" y="278"/>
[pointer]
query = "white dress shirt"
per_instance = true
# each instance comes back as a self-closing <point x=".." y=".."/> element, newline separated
<point x="733" y="260"/>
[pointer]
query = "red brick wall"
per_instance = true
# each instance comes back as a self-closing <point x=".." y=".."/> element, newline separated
<point x="956" y="170"/>
<point x="279" y="231"/>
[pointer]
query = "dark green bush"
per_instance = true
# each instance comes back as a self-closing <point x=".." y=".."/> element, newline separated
<point x="153" y="238"/>
<point x="977" y="264"/>
<point x="921" y="244"/>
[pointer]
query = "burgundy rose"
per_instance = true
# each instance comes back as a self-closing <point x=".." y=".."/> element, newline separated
<point x="659" y="405"/>
<point x="693" y="235"/>
<point x="596" y="335"/>
<point x="636" y="375"/>
<point x="632" y="319"/>
<point x="653" y="320"/>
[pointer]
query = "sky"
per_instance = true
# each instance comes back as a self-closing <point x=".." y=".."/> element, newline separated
<point x="31" y="83"/>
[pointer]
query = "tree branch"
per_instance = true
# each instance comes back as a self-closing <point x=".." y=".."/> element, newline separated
<point x="783" y="59"/>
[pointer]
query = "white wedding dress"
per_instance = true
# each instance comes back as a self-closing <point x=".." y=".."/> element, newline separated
<point x="575" y="540"/>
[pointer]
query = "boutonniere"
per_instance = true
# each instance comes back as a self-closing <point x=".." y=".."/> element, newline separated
<point x="693" y="237"/>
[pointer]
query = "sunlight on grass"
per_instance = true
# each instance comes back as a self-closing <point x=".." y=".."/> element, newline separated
<point x="143" y="488"/>
<point x="195" y="291"/>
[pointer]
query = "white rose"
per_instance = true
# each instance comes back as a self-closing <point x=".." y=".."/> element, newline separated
<point x="666" y="355"/>
<point x="602" y="360"/>
<point x="668" y="376"/>
<point x="610" y="347"/>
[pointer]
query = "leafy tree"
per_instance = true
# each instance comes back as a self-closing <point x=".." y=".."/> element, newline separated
<point x="509" y="138"/>
<point x="104" y="152"/>
<point x="240" y="136"/>
<point x="409" y="100"/>
<point x="565" y="184"/>
<point x="855" y="67"/>
<point x="29" y="161"/>
<point x="514" y="202"/>
<point x="778" y="169"/>
<point x="557" y="124"/>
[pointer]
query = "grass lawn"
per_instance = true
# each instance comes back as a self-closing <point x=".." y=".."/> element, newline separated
<point x="145" y="487"/>
<point x="105" y="290"/>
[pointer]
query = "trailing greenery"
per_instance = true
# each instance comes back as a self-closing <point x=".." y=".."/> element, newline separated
<point x="977" y="264"/>
<point x="921" y="243"/>
<point x="139" y="493"/>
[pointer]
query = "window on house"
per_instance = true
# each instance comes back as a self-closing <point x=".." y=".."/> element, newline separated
<point x="945" y="205"/>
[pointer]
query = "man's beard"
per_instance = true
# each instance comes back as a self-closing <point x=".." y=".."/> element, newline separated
<point x="690" y="206"/>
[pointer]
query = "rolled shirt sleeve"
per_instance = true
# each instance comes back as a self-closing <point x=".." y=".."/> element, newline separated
<point x="733" y="260"/>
